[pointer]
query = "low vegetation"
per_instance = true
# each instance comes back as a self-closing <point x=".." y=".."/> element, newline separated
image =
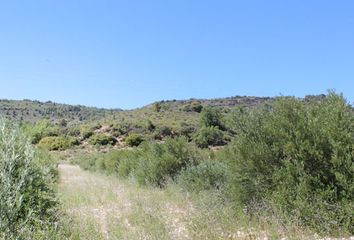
<point x="57" y="143"/>
<point x="102" y="139"/>
<point x="291" y="161"/>
<point x="134" y="140"/>
<point x="274" y="167"/>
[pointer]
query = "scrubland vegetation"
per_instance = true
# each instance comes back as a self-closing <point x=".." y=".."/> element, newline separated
<point x="28" y="204"/>
<point x="187" y="170"/>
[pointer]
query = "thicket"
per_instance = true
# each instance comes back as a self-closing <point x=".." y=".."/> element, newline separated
<point x="57" y="143"/>
<point x="134" y="140"/>
<point x="194" y="106"/>
<point x="210" y="132"/>
<point x="102" y="139"/>
<point x="208" y="175"/>
<point x="151" y="163"/>
<point x="41" y="129"/>
<point x="28" y="206"/>
<point x="296" y="158"/>
<point x="209" y="136"/>
<point x="161" y="162"/>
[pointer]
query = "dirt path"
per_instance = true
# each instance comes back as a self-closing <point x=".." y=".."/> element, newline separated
<point x="108" y="208"/>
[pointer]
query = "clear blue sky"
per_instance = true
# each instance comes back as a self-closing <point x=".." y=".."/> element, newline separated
<point x="129" y="53"/>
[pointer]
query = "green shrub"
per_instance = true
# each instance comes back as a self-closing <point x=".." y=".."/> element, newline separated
<point x="187" y="131"/>
<point x="129" y="162"/>
<point x="193" y="107"/>
<point x="41" y="129"/>
<point x="149" y="126"/>
<point x="212" y="117"/>
<point x="161" y="162"/>
<point x="207" y="175"/>
<point x="299" y="158"/>
<point x="89" y="162"/>
<point x="27" y="199"/>
<point x="86" y="133"/>
<point x="157" y="107"/>
<point x="102" y="139"/>
<point x="120" y="162"/>
<point x="121" y="129"/>
<point x="134" y="140"/>
<point x="162" y="132"/>
<point x="209" y="136"/>
<point x="58" y="143"/>
<point x="74" y="132"/>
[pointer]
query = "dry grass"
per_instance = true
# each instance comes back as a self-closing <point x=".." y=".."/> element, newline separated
<point x="106" y="207"/>
<point x="109" y="208"/>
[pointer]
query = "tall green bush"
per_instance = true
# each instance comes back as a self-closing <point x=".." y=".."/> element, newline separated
<point x="209" y="136"/>
<point x="27" y="199"/>
<point x="208" y="175"/>
<point x="212" y="117"/>
<point x="102" y="139"/>
<point x="41" y="129"/>
<point x="134" y="140"/>
<point x="58" y="143"/>
<point x="300" y="158"/>
<point x="161" y="162"/>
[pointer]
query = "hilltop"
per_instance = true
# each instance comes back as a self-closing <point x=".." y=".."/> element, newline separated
<point x="33" y="110"/>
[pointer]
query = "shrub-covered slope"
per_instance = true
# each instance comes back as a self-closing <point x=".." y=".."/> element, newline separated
<point x="31" y="111"/>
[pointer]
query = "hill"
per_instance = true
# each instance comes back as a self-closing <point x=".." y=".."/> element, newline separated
<point x="32" y="111"/>
<point x="63" y="126"/>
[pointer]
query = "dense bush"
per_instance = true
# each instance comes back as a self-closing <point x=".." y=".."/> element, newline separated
<point x="211" y="117"/>
<point x="102" y="139"/>
<point x="162" y="132"/>
<point x="58" y="143"/>
<point x="74" y="131"/>
<point x="205" y="176"/>
<point x="187" y="131"/>
<point x="41" y="129"/>
<point x="149" y="125"/>
<point x="134" y="140"/>
<point x="193" y="107"/>
<point x="298" y="158"/>
<point x="121" y="128"/>
<point x="120" y="162"/>
<point x="86" y="133"/>
<point x="129" y="162"/>
<point x="209" y="136"/>
<point x="27" y="199"/>
<point x="153" y="163"/>
<point x="161" y="162"/>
